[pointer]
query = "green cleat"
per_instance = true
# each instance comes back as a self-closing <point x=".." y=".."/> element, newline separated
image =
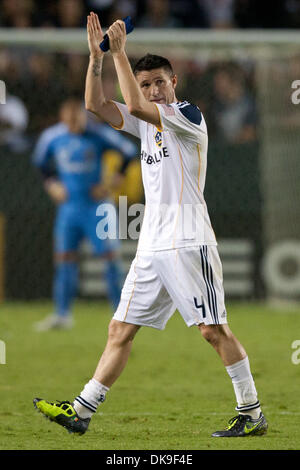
<point x="64" y="414"/>
<point x="244" y="425"/>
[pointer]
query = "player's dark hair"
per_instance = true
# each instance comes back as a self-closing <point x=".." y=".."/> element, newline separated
<point x="150" y="62"/>
<point x="72" y="101"/>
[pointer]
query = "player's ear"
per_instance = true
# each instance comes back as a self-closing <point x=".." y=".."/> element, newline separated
<point x="174" y="81"/>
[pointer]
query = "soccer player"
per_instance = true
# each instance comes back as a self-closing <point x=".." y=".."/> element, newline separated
<point x="176" y="266"/>
<point x="69" y="156"/>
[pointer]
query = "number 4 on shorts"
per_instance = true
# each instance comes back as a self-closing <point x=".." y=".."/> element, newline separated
<point x="202" y="306"/>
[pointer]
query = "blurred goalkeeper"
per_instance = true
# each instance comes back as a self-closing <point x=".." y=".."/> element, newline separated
<point x="175" y="267"/>
<point x="69" y="156"/>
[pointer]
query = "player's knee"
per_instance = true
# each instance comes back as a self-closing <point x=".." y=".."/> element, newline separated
<point x="214" y="334"/>
<point x="120" y="333"/>
<point x="209" y="334"/>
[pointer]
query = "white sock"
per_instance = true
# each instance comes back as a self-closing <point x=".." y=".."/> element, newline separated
<point x="244" y="388"/>
<point x="91" y="396"/>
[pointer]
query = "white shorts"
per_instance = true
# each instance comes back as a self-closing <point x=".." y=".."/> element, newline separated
<point x="187" y="279"/>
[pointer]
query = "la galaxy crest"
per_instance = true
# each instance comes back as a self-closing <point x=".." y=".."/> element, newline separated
<point x="158" y="154"/>
<point x="158" y="138"/>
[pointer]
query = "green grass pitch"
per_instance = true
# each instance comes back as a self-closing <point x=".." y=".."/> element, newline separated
<point x="173" y="393"/>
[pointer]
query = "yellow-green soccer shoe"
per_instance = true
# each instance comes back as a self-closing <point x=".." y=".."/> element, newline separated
<point x="64" y="414"/>
<point x="244" y="425"/>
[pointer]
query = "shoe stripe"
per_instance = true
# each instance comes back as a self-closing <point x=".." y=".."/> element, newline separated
<point x="85" y="403"/>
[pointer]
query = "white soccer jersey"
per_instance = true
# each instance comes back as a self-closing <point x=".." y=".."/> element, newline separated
<point x="173" y="160"/>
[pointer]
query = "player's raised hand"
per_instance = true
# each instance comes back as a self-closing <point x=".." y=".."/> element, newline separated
<point x="94" y="34"/>
<point x="117" y="36"/>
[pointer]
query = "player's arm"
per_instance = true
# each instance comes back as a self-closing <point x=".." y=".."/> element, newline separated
<point x="42" y="160"/>
<point x="95" y="100"/>
<point x="136" y="103"/>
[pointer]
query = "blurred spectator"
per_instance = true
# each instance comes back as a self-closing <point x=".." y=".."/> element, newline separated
<point x="155" y="13"/>
<point x="10" y="68"/>
<point x="75" y="73"/>
<point x="17" y="13"/>
<point x="13" y="111"/>
<point x="111" y="10"/>
<point x="102" y="8"/>
<point x="158" y="15"/>
<point x="13" y="123"/>
<point x="292" y="8"/>
<point x="46" y="14"/>
<point x="121" y="9"/>
<point x="219" y="13"/>
<point x="233" y="107"/>
<point x="191" y="13"/>
<point x="71" y="14"/>
<point x="258" y="14"/>
<point x="44" y="89"/>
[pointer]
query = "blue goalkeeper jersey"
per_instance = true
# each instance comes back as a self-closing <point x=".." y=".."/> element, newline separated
<point x="76" y="159"/>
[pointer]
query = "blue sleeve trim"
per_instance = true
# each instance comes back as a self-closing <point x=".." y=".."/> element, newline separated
<point x="191" y="112"/>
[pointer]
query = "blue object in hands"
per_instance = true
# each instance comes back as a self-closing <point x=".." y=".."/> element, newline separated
<point x="104" y="45"/>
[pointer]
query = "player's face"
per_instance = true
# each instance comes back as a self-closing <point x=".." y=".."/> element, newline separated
<point x="75" y="118"/>
<point x="157" y="85"/>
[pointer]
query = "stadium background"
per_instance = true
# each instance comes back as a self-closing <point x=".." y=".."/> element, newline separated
<point x="241" y="81"/>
